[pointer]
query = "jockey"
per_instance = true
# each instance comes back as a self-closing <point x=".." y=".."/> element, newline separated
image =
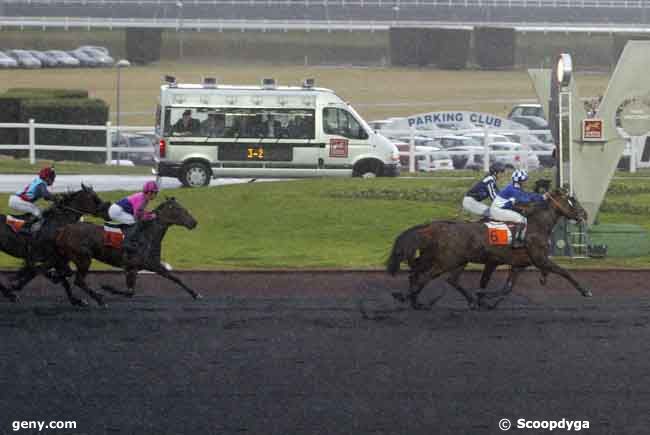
<point x="513" y="193"/>
<point x="486" y="188"/>
<point x="131" y="210"/>
<point x="24" y="200"/>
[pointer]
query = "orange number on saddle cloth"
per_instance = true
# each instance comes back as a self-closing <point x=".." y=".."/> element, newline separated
<point x="498" y="234"/>
<point x="15" y="224"/>
<point x="113" y="237"/>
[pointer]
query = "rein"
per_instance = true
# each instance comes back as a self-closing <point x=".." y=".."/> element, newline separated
<point x="555" y="201"/>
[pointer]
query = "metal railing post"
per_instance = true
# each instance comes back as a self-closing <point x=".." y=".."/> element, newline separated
<point x="32" y="142"/>
<point x="412" y="150"/>
<point x="109" y="144"/>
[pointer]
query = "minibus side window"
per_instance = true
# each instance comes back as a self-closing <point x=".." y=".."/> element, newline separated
<point x="341" y="122"/>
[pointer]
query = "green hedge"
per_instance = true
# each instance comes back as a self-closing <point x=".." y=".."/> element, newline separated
<point x="143" y="45"/>
<point x="46" y="93"/>
<point x="67" y="111"/>
<point x="495" y="47"/>
<point x="53" y="106"/>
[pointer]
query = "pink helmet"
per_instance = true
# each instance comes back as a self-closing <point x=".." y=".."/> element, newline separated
<point x="150" y="186"/>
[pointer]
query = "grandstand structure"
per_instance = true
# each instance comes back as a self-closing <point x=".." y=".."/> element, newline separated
<point x="600" y="14"/>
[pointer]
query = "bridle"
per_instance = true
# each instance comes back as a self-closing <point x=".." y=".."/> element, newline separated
<point x="555" y="202"/>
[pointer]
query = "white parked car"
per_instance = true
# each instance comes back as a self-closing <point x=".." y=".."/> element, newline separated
<point x="449" y="141"/>
<point x="63" y="58"/>
<point x="491" y="137"/>
<point x="467" y="157"/>
<point x="531" y="109"/>
<point x="7" y="61"/>
<point x="24" y="59"/>
<point x="512" y="155"/>
<point x="433" y="159"/>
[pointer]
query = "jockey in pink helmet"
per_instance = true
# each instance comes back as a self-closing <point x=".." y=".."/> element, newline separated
<point x="131" y="210"/>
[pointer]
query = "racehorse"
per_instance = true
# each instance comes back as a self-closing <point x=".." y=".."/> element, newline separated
<point x="452" y="245"/>
<point x="39" y="248"/>
<point x="81" y="242"/>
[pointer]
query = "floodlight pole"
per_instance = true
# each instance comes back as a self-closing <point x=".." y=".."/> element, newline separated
<point x="179" y="5"/>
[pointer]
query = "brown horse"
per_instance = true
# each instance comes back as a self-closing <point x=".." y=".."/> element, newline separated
<point x="446" y="246"/>
<point x="82" y="242"/>
<point x="38" y="249"/>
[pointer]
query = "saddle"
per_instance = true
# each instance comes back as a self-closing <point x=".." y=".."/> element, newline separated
<point x="503" y="233"/>
<point x="114" y="234"/>
<point x="19" y="221"/>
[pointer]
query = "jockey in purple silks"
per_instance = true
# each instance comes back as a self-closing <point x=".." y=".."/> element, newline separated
<point x="131" y="211"/>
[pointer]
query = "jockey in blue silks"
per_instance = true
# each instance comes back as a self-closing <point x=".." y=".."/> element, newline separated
<point x="24" y="200"/>
<point x="486" y="188"/>
<point x="513" y="193"/>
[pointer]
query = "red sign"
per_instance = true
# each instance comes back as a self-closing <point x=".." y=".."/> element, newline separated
<point x="338" y="147"/>
<point x="592" y="129"/>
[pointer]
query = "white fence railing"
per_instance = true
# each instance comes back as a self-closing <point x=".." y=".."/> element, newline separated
<point x="109" y="149"/>
<point x="188" y="24"/>
<point x="388" y="4"/>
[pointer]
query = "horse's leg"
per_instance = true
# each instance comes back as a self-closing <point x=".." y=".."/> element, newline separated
<point x="83" y="266"/>
<point x="546" y="265"/>
<point x="505" y="291"/>
<point x="131" y="277"/>
<point x="162" y="271"/>
<point x="418" y="266"/>
<point x="9" y="294"/>
<point x="486" y="275"/>
<point x="454" y="281"/>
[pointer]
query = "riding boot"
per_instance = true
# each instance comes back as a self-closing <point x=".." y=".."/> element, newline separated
<point x="130" y="242"/>
<point x="27" y="228"/>
<point x="519" y="240"/>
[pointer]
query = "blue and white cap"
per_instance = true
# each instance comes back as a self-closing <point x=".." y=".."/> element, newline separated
<point x="519" y="176"/>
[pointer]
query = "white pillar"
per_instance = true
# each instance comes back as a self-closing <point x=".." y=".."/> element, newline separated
<point x="32" y="142"/>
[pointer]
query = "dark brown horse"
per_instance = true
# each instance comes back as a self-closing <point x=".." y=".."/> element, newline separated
<point x="446" y="246"/>
<point x="81" y="242"/>
<point x="38" y="249"/>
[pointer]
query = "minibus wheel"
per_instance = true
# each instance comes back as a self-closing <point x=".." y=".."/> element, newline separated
<point x="368" y="169"/>
<point x="195" y="174"/>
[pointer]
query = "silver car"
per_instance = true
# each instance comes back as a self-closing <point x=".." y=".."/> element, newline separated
<point x="46" y="59"/>
<point x="63" y="58"/>
<point x="102" y="58"/>
<point x="84" y="58"/>
<point x="24" y="59"/>
<point x="7" y="62"/>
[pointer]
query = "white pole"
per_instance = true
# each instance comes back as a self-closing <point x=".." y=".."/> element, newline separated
<point x="412" y="150"/>
<point x="109" y="144"/>
<point x="570" y="116"/>
<point x="634" y="140"/>
<point x="560" y="163"/>
<point x="32" y="142"/>
<point x="486" y="158"/>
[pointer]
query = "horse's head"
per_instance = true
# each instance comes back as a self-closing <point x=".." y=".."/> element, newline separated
<point x="85" y="201"/>
<point x="171" y="212"/>
<point x="567" y="205"/>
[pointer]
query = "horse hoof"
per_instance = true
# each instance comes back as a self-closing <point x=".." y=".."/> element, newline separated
<point x="79" y="302"/>
<point x="542" y="281"/>
<point x="12" y="297"/>
<point x="587" y="293"/>
<point x="197" y="296"/>
<point x="398" y="297"/>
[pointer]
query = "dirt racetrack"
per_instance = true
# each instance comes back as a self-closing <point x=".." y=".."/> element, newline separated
<point x="291" y="353"/>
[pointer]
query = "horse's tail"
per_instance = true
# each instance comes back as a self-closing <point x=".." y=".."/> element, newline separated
<point x="406" y="246"/>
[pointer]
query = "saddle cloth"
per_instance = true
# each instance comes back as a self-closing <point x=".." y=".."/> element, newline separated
<point x="500" y="233"/>
<point x="113" y="235"/>
<point x="15" y="223"/>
